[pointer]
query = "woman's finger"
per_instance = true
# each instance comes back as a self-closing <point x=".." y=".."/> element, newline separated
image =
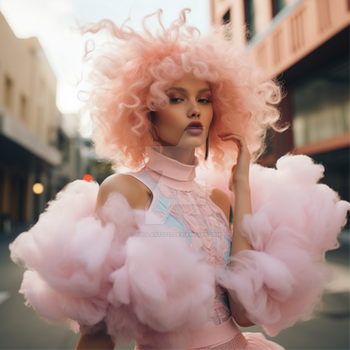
<point x="238" y="142"/>
<point x="231" y="136"/>
<point x="238" y="139"/>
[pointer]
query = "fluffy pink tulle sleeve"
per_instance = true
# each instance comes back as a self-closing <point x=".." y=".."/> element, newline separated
<point x="118" y="271"/>
<point x="295" y="221"/>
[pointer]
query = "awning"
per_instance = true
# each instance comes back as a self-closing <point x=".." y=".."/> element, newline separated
<point x="20" y="134"/>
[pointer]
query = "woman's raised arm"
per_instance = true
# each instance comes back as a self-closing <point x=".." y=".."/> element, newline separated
<point x="239" y="184"/>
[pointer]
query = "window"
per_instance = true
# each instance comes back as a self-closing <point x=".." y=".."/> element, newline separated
<point x="277" y="6"/>
<point x="8" y="92"/>
<point x="227" y="17"/>
<point x="40" y="121"/>
<point x="23" y="108"/>
<point x="321" y="105"/>
<point x="226" y="20"/>
<point x="249" y="19"/>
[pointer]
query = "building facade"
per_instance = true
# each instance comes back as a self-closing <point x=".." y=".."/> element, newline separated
<point x="304" y="44"/>
<point x="78" y="155"/>
<point x="38" y="145"/>
<point x="28" y="128"/>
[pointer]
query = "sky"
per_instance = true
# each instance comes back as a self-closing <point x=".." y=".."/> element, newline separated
<point x="54" y="23"/>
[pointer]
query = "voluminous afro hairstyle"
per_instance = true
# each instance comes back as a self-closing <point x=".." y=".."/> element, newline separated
<point x="131" y="73"/>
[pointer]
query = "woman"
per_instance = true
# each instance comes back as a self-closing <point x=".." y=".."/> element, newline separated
<point x="142" y="267"/>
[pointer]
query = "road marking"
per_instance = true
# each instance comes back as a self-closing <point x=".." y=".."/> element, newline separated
<point x="4" y="296"/>
<point x="341" y="282"/>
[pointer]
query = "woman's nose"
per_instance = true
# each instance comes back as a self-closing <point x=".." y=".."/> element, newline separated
<point x="194" y="111"/>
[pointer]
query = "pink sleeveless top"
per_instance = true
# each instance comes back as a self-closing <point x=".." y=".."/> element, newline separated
<point x="184" y="203"/>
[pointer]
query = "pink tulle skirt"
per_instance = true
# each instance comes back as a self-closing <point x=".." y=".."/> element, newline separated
<point x="248" y="341"/>
<point x="226" y="337"/>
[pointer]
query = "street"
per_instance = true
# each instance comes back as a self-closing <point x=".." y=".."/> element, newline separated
<point x="20" y="328"/>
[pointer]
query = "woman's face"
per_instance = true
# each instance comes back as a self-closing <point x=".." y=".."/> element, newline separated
<point x="189" y="101"/>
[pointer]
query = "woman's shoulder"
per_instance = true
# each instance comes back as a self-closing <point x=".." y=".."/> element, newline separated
<point x="117" y="182"/>
<point x="136" y="193"/>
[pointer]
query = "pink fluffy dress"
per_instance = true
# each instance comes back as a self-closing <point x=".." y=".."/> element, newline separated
<point x="162" y="276"/>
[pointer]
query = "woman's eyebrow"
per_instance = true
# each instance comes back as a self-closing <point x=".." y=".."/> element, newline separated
<point x="178" y="89"/>
<point x="184" y="90"/>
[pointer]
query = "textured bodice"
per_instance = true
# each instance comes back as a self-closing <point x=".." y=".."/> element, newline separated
<point x="183" y="203"/>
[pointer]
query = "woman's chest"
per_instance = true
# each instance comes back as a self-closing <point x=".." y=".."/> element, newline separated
<point x="194" y="217"/>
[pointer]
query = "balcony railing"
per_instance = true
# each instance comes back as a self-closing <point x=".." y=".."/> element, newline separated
<point x="307" y="26"/>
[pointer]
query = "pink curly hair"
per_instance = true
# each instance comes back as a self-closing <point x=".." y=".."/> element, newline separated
<point x="131" y="73"/>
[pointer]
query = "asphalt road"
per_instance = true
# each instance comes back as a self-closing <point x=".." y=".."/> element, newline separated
<point x="20" y="327"/>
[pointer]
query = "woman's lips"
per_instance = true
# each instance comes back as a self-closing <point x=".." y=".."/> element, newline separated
<point x="194" y="128"/>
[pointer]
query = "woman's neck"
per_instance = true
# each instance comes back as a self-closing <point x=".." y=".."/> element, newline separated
<point x="170" y="171"/>
<point x="182" y="155"/>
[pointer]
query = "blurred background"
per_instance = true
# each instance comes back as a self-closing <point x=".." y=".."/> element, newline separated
<point x="44" y="144"/>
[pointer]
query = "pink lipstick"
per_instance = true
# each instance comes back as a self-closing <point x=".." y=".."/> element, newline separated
<point x="194" y="128"/>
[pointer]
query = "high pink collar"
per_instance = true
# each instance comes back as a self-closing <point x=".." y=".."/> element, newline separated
<point x="170" y="171"/>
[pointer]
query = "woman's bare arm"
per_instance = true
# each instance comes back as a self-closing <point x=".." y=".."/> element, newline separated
<point x="239" y="184"/>
<point x="138" y="197"/>
<point x="237" y="310"/>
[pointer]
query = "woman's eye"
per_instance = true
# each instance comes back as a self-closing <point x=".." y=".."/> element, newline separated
<point x="204" y="100"/>
<point x="174" y="99"/>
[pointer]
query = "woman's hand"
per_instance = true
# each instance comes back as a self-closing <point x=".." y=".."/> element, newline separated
<point x="240" y="170"/>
